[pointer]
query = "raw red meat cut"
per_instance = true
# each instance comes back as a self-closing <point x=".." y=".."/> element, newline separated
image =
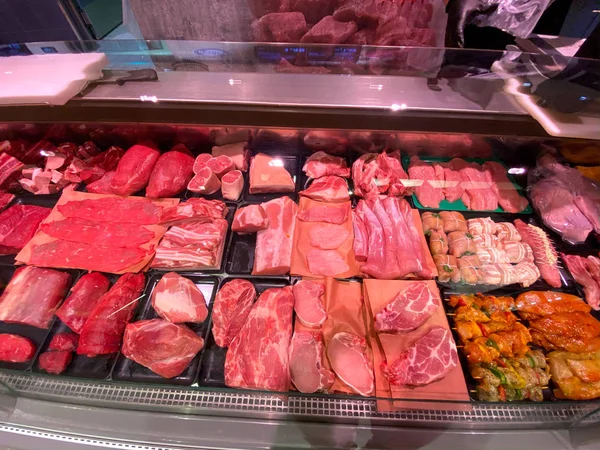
<point x="79" y="255"/>
<point x="320" y="164"/>
<point x="64" y="341"/>
<point x="113" y="209"/>
<point x="306" y="363"/>
<point x="391" y="268"/>
<point x="368" y="12"/>
<point x="329" y="31"/>
<point x="410" y="309"/>
<point x="280" y="27"/>
<point x="232" y="306"/>
<point x="205" y="182"/>
<point x="578" y="266"/>
<point x="32" y="295"/>
<point x="205" y="235"/>
<point x="508" y="197"/>
<point x="430" y="358"/>
<point x="16" y="349"/>
<point x="391" y="167"/>
<point x="5" y="199"/>
<point x="328" y="189"/>
<point x="220" y="165"/>
<point x="478" y="194"/>
<point x="544" y="253"/>
<point x="163" y="347"/>
<point x="250" y="219"/>
<point x="128" y="235"/>
<point x="361" y="250"/>
<point x="84" y="296"/>
<point x="375" y="263"/>
<point x="103" y="185"/>
<point x="308" y="303"/>
<point x="236" y="151"/>
<point x="427" y="191"/>
<point x="18" y="224"/>
<point x="171" y="174"/>
<point x="193" y="210"/>
<point x="375" y="173"/>
<point x="268" y="175"/>
<point x="178" y="299"/>
<point x="328" y="263"/>
<point x="101" y="334"/>
<point x="10" y="170"/>
<point x="134" y="169"/>
<point x="200" y="162"/>
<point x="273" y="254"/>
<point x="328" y="236"/>
<point x="55" y="362"/>
<point x="453" y="189"/>
<point x="347" y="354"/>
<point x="313" y="10"/>
<point x="258" y="356"/>
<point x="232" y="185"/>
<point x="325" y="213"/>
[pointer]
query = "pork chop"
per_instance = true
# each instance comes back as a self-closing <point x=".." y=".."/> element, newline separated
<point x="308" y="303"/>
<point x="306" y="363"/>
<point x="410" y="309"/>
<point x="178" y="299"/>
<point x="347" y="354"/>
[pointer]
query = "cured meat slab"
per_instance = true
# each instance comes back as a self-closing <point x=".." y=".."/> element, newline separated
<point x="258" y="356"/>
<point x="77" y="216"/>
<point x="387" y="347"/>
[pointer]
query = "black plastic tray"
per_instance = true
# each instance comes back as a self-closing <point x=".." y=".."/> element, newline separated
<point x="212" y="367"/>
<point x="37" y="335"/>
<point x="128" y="370"/>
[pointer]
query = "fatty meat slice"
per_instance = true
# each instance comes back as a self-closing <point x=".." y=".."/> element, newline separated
<point x="115" y="234"/>
<point x="220" y="165"/>
<point x="232" y="305"/>
<point x="410" y="309"/>
<point x="56" y="361"/>
<point x="306" y="363"/>
<point x="327" y="236"/>
<point x="205" y="235"/>
<point x="205" y="182"/>
<point x="171" y="174"/>
<point x="327" y="263"/>
<point x="250" y="219"/>
<point x="84" y="295"/>
<point x="163" y="347"/>
<point x="308" y="303"/>
<point x="16" y="349"/>
<point x="32" y="295"/>
<point x="134" y="169"/>
<point x="237" y="152"/>
<point x="268" y="175"/>
<point x="193" y="210"/>
<point x="64" y="341"/>
<point x="347" y="354"/>
<point x="328" y="189"/>
<point x="178" y="300"/>
<point x="200" y="162"/>
<point x="320" y="164"/>
<point x="232" y="185"/>
<point x="430" y="358"/>
<point x="102" y="332"/>
<point x="113" y="209"/>
<point x="325" y="213"/>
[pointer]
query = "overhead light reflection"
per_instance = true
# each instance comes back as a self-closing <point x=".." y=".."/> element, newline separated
<point x="517" y="170"/>
<point x="398" y="107"/>
<point x="148" y="98"/>
<point x="276" y="163"/>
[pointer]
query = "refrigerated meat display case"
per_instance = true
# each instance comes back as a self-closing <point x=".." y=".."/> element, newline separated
<point x="292" y="100"/>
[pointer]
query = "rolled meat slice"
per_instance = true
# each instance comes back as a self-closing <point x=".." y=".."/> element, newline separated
<point x="205" y="182"/>
<point x="232" y="185"/>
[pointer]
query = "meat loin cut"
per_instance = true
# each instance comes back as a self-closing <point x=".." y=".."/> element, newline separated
<point x="306" y="363"/>
<point x="268" y="175"/>
<point x="134" y="169"/>
<point x="258" y="356"/>
<point x="56" y="361"/>
<point x="273" y="254"/>
<point x="347" y="354"/>
<point x="430" y="358"/>
<point x="410" y="309"/>
<point x="328" y="189"/>
<point x="171" y="174"/>
<point x="205" y="182"/>
<point x="32" y="295"/>
<point x="18" y="224"/>
<point x="232" y="185"/>
<point x="177" y="299"/>
<point x="15" y="349"/>
<point x="232" y="305"/>
<point x="102" y="332"/>
<point x="163" y="347"/>
<point x="250" y="219"/>
<point x="321" y="164"/>
<point x="308" y="303"/>
<point x="64" y="341"/>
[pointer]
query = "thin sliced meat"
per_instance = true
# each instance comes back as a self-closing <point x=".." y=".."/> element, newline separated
<point x="306" y="363"/>
<point x="508" y="197"/>
<point x="410" y="309"/>
<point x="347" y="354"/>
<point x="325" y="213"/>
<point x="320" y="164"/>
<point x="250" y="219"/>
<point x="478" y="194"/>
<point x="308" y="303"/>
<point x="328" y="236"/>
<point x="193" y="210"/>
<point x="205" y="235"/>
<point x="178" y="300"/>
<point x="426" y="189"/>
<point x="328" y="189"/>
<point x="18" y="224"/>
<point x="113" y="209"/>
<point x="232" y="305"/>
<point x="327" y="263"/>
<point x="78" y="255"/>
<point x="129" y="235"/>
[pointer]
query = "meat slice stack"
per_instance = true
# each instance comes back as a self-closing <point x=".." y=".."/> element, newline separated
<point x="258" y="356"/>
<point x="18" y="224"/>
<point x="308" y="303"/>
